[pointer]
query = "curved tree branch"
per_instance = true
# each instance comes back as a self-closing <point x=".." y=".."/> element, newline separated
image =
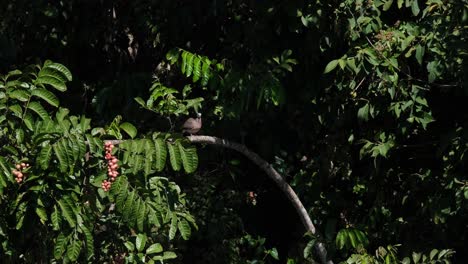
<point x="277" y="178"/>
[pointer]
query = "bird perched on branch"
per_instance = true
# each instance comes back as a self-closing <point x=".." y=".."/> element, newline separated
<point x="192" y="126"/>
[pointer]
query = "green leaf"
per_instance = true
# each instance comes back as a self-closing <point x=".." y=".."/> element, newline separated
<point x="341" y="239"/>
<point x="140" y="242"/>
<point x="189" y="64"/>
<point x="67" y="212"/>
<point x="169" y="255"/>
<point x="196" y="69"/>
<point x="400" y="3"/>
<point x="38" y="109"/>
<point x="387" y="5"/>
<point x="173" y="227"/>
<point x="56" y="219"/>
<point x="128" y="207"/>
<point x="61" y="114"/>
<point x="17" y="110"/>
<point x="46" y="95"/>
<point x="274" y="253"/>
<point x="60" y="245"/>
<point x="52" y="81"/>
<point x="415" y="7"/>
<point x="174" y="156"/>
<point x="20" y="95"/>
<point x="172" y="56"/>
<point x="309" y="248"/>
<point x="141" y="216"/>
<point x="129" y="245"/>
<point x="184" y="62"/>
<point x="74" y="250"/>
<point x="41" y="212"/>
<point x="188" y="156"/>
<point x="89" y="241"/>
<point x="419" y="53"/>
<point x="28" y="120"/>
<point x="155" y="248"/>
<point x="60" y="152"/>
<point x="416" y="257"/>
<point x="64" y="71"/>
<point x="184" y="229"/>
<point x="43" y="158"/>
<point x="129" y="129"/>
<point x="140" y="102"/>
<point x="363" y="113"/>
<point x="331" y="66"/>
<point x="205" y="71"/>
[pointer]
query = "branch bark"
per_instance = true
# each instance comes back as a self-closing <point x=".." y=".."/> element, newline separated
<point x="277" y="178"/>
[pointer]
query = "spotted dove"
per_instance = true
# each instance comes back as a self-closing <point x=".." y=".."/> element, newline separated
<point x="192" y="126"/>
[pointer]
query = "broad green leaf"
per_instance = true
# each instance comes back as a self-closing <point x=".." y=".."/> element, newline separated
<point x="60" y="245"/>
<point x="61" y="114"/>
<point x="28" y="120"/>
<point x="196" y="68"/>
<point x="173" y="227"/>
<point x="155" y="248"/>
<point x="67" y="212"/>
<point x="140" y="101"/>
<point x="310" y="246"/>
<point x="56" y="219"/>
<point x="169" y="255"/>
<point x="184" y="62"/>
<point x="43" y="158"/>
<point x="141" y="216"/>
<point x="128" y="207"/>
<point x="41" y="212"/>
<point x="174" y="156"/>
<point x="129" y="129"/>
<point x="205" y="72"/>
<point x="172" y="56"/>
<point x="387" y="5"/>
<point x="274" y="253"/>
<point x="331" y="66"/>
<point x="6" y="169"/>
<point x="17" y="110"/>
<point x="188" y="156"/>
<point x="184" y="229"/>
<point x="46" y="95"/>
<point x="363" y="113"/>
<point x="189" y="64"/>
<point x="52" y="81"/>
<point x="129" y="245"/>
<point x="400" y="3"/>
<point x="352" y="238"/>
<point x="74" y="250"/>
<point x="341" y="239"/>
<point x="20" y="95"/>
<point x="140" y="242"/>
<point x="416" y="257"/>
<point x="64" y="71"/>
<point x="419" y="53"/>
<point x="38" y="109"/>
<point x="89" y="241"/>
<point x="415" y="7"/>
<point x="60" y="152"/>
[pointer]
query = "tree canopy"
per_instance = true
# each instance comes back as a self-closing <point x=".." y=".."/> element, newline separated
<point x="358" y="104"/>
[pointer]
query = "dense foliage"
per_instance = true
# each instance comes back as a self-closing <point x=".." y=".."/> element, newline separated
<point x="359" y="104"/>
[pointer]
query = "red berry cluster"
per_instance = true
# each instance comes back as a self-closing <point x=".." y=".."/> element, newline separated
<point x="112" y="167"/>
<point x="18" y="172"/>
